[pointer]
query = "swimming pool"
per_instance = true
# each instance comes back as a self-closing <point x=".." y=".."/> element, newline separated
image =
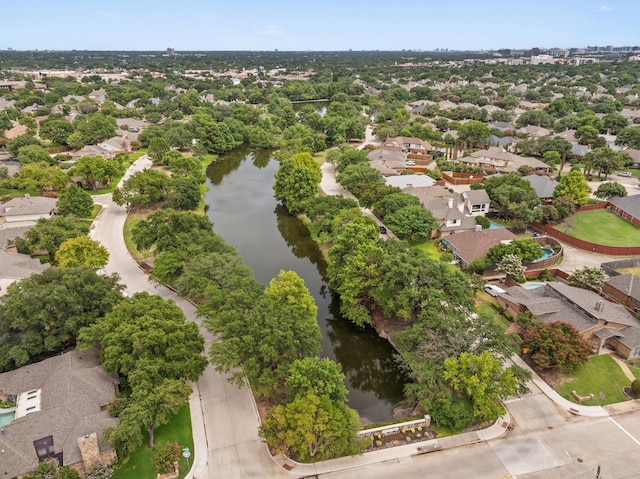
<point x="546" y="253"/>
<point x="532" y="285"/>
<point x="7" y="418"/>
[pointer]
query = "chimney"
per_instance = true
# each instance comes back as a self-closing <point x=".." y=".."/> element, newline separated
<point x="600" y="305"/>
<point x="89" y="449"/>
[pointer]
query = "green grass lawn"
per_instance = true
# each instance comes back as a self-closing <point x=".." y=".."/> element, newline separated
<point x="635" y="372"/>
<point x="95" y="210"/>
<point x="139" y="466"/>
<point x="428" y="247"/>
<point x="599" y="374"/>
<point x="601" y="227"/>
<point x="486" y="307"/>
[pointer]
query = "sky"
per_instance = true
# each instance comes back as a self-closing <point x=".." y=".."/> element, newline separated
<point x="285" y="25"/>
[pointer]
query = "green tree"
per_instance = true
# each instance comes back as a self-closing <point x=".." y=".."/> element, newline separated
<point x="95" y="171"/>
<point x="18" y="142"/>
<point x="394" y="202"/>
<point x="156" y="373"/>
<point x="41" y="316"/>
<point x="279" y="329"/>
<point x="555" y="345"/>
<point x="614" y="122"/>
<point x="75" y="201"/>
<point x="295" y="185"/>
<point x="183" y="193"/>
<point x="143" y="188"/>
<point x="319" y="376"/>
<point x="604" y="160"/>
<point x="574" y="186"/>
<point x="412" y="222"/>
<point x="158" y="148"/>
<point x="474" y="132"/>
<point x="587" y="277"/>
<point x="313" y="427"/>
<point x="261" y="138"/>
<point x="42" y="176"/>
<point x="306" y="160"/>
<point x="49" y="233"/>
<point x="514" y="197"/>
<point x="358" y="177"/>
<point x="34" y="154"/>
<point x="629" y="137"/>
<point x="94" y="128"/>
<point x="607" y="190"/>
<point x="483" y="379"/>
<point x="57" y="130"/>
<point x="82" y="251"/>
<point x="526" y="249"/>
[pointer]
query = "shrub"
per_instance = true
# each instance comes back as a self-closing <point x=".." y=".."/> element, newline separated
<point x="635" y="387"/>
<point x="164" y="456"/>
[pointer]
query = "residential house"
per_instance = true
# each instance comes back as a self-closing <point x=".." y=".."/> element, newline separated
<point x="387" y="162"/>
<point x="543" y="184"/>
<point x="498" y="160"/>
<point x="627" y="208"/>
<point x="404" y="181"/>
<point x="534" y="132"/>
<point x="625" y="288"/>
<point x="15" y="266"/>
<point x="468" y="246"/>
<point x="99" y="96"/>
<point x="634" y="155"/>
<point x="502" y="126"/>
<point x="500" y="141"/>
<point x="27" y="208"/>
<point x="61" y="412"/>
<point x="106" y="149"/>
<point x="578" y="151"/>
<point x="600" y="323"/>
<point x="415" y="146"/>
<point x="454" y="213"/>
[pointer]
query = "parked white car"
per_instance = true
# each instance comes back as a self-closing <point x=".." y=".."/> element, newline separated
<point x="493" y="290"/>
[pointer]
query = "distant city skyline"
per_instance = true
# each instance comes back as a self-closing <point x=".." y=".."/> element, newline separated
<point x="331" y="25"/>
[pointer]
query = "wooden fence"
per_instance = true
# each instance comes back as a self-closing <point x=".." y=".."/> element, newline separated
<point x="587" y="245"/>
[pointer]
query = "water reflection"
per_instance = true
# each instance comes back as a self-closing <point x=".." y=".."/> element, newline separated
<point x="245" y="213"/>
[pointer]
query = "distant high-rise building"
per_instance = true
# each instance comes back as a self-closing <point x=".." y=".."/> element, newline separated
<point x="171" y="52"/>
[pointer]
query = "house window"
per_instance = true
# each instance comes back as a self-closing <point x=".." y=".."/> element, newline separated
<point x="635" y="353"/>
<point x="44" y="448"/>
<point x="476" y="208"/>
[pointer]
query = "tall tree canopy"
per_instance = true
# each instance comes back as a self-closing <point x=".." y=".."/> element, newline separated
<point x="43" y="314"/>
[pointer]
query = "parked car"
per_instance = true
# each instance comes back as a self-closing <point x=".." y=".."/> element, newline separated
<point x="626" y="174"/>
<point x="410" y="163"/>
<point x="493" y="290"/>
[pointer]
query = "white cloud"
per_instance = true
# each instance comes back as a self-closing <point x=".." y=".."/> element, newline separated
<point x="606" y="8"/>
<point x="273" y="31"/>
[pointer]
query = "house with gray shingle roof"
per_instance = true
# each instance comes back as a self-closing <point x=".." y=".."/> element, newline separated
<point x="27" y="208"/>
<point x="599" y="322"/>
<point x="627" y="207"/>
<point x="544" y="185"/>
<point x="624" y="288"/>
<point x="61" y="412"/>
<point x="15" y="266"/>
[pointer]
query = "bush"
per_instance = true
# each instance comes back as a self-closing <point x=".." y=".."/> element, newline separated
<point x="635" y="388"/>
<point x="164" y="456"/>
<point x="546" y="275"/>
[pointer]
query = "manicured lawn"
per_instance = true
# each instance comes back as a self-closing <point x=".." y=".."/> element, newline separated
<point x="634" y="270"/>
<point x="635" y="372"/>
<point x="139" y="466"/>
<point x="486" y="307"/>
<point x="94" y="212"/>
<point x="601" y="227"/>
<point x="428" y="247"/>
<point x="600" y="374"/>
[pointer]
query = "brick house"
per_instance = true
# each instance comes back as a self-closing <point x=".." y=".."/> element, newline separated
<point x="601" y="323"/>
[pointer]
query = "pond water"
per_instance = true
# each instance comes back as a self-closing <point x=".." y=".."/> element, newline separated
<point x="241" y="205"/>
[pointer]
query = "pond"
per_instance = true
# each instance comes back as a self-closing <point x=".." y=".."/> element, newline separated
<point x="244" y="212"/>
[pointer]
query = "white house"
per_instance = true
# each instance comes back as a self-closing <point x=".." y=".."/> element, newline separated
<point x="27" y="208"/>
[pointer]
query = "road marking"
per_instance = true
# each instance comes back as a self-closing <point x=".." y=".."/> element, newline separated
<point x="625" y="431"/>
